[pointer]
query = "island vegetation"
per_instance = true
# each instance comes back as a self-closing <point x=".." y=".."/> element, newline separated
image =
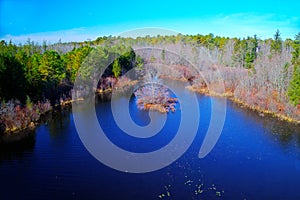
<point x="154" y="95"/>
<point x="261" y="74"/>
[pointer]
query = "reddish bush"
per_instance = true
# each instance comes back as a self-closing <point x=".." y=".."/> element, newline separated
<point x="155" y="97"/>
<point x="14" y="117"/>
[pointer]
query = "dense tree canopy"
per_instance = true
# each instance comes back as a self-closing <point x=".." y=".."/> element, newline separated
<point x="294" y="89"/>
<point x="48" y="71"/>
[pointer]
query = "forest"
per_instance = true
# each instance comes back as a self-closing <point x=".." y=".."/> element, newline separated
<point x="261" y="74"/>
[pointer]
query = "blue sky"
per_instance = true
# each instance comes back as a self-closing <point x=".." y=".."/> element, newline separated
<point x="74" y="21"/>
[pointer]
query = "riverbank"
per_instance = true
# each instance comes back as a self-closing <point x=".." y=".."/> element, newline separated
<point x="16" y="119"/>
<point x="229" y="93"/>
<point x="257" y="108"/>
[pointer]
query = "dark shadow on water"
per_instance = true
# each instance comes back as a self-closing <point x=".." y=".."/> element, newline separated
<point x="58" y="120"/>
<point x="15" y="146"/>
<point x="286" y="133"/>
<point x="247" y="162"/>
<point x="99" y="98"/>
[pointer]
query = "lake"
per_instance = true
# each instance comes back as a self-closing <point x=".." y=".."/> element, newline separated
<point x="255" y="157"/>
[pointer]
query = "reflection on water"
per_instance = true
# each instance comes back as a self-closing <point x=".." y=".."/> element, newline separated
<point x="14" y="147"/>
<point x="57" y="120"/>
<point x="286" y="133"/>
<point x="255" y="158"/>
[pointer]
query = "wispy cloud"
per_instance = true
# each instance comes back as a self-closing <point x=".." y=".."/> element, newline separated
<point x="234" y="25"/>
<point x="78" y="34"/>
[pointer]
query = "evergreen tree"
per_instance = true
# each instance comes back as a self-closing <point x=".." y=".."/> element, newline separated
<point x="294" y="88"/>
<point x="276" y="44"/>
<point x="116" y="68"/>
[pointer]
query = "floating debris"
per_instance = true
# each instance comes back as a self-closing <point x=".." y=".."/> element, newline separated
<point x="167" y="194"/>
<point x="199" y="189"/>
<point x="196" y="187"/>
<point x="189" y="182"/>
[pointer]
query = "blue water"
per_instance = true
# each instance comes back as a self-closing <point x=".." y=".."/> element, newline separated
<point x="255" y="158"/>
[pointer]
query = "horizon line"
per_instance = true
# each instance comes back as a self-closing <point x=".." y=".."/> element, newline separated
<point x="53" y="37"/>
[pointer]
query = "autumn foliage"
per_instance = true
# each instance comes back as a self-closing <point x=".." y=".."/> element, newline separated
<point x="154" y="95"/>
<point x="15" y="117"/>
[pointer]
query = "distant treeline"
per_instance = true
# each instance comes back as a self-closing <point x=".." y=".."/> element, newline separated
<point x="49" y="71"/>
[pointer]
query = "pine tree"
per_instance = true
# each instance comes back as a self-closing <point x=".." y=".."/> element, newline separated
<point x="276" y="45"/>
<point x="294" y="88"/>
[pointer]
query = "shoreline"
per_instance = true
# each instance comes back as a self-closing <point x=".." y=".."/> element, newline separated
<point x="160" y="108"/>
<point x="31" y="126"/>
<point x="265" y="111"/>
<point x="231" y="97"/>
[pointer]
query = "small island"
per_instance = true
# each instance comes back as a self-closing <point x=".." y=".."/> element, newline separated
<point x="256" y="73"/>
<point x="155" y="97"/>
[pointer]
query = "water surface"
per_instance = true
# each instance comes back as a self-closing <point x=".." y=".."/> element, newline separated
<point x="255" y="158"/>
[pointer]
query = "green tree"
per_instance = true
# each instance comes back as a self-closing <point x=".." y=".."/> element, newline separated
<point x="12" y="81"/>
<point x="116" y="69"/>
<point x="294" y="87"/>
<point x="74" y="59"/>
<point x="52" y="67"/>
<point x="52" y="72"/>
<point x="276" y="44"/>
<point x="250" y="56"/>
<point x="33" y="76"/>
<point x="239" y="52"/>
